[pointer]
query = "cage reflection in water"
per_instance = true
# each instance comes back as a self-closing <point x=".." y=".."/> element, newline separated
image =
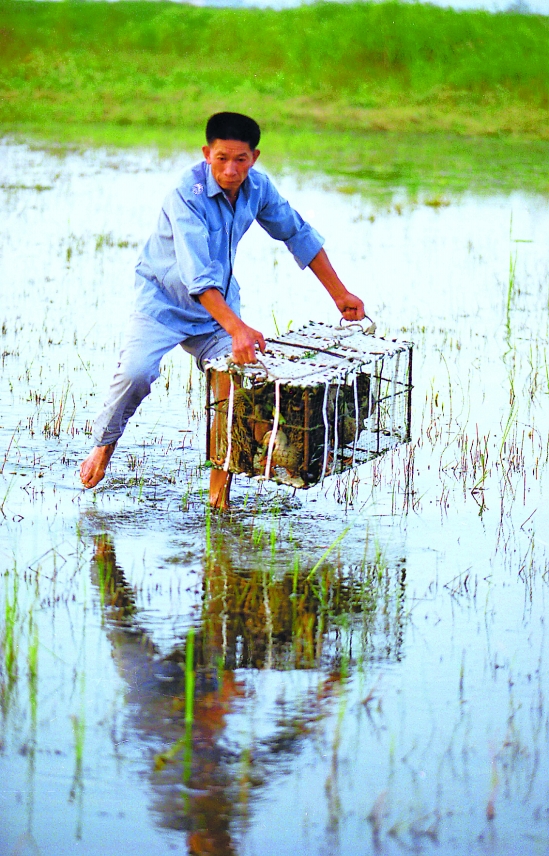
<point x="322" y="400"/>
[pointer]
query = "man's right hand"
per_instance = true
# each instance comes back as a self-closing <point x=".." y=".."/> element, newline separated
<point x="245" y="340"/>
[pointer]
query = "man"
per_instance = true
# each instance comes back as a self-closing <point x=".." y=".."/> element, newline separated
<point x="186" y="291"/>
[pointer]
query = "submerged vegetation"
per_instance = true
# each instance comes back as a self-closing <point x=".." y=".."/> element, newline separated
<point x="324" y="81"/>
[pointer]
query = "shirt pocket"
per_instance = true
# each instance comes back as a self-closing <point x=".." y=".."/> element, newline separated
<point x="218" y="243"/>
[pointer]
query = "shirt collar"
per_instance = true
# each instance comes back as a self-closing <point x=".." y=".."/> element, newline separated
<point x="212" y="187"/>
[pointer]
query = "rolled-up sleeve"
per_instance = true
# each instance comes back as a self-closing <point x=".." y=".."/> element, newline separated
<point x="196" y="252"/>
<point x="283" y="223"/>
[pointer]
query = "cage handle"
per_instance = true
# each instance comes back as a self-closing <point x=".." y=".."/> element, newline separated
<point x="368" y="331"/>
<point x="236" y="368"/>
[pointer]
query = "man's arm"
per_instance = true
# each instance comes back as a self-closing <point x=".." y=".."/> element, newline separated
<point x="350" y="306"/>
<point x="244" y="338"/>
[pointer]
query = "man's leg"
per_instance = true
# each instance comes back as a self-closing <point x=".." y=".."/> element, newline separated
<point x="220" y="481"/>
<point x="146" y="343"/>
<point x="203" y="348"/>
<point x="220" y="489"/>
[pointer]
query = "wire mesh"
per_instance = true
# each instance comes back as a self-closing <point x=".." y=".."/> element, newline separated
<point x="322" y="400"/>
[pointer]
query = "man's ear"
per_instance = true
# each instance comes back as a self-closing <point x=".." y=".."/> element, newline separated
<point x="256" y="154"/>
<point x="206" y="153"/>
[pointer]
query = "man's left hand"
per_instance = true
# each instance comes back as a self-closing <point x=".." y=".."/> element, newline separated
<point x="351" y="307"/>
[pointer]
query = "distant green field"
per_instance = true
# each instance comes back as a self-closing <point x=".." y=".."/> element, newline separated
<point x="320" y="79"/>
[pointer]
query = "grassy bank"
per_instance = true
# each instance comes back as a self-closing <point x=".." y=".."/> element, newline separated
<point x="140" y="72"/>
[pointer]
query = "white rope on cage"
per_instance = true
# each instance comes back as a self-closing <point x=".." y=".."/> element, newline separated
<point x="393" y="392"/>
<point x="326" y="430"/>
<point x="272" y="439"/>
<point x="357" y="416"/>
<point x="275" y="369"/>
<point x="336" y="432"/>
<point x="370" y="416"/>
<point x="275" y="363"/>
<point x="230" y="411"/>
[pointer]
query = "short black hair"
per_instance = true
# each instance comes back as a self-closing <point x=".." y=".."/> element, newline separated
<point x="233" y="126"/>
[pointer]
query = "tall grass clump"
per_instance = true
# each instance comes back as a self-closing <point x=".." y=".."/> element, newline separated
<point x="380" y="66"/>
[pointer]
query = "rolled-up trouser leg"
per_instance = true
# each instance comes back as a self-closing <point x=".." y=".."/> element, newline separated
<point x="208" y="346"/>
<point x="147" y="341"/>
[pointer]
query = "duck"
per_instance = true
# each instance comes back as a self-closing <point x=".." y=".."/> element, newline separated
<point x="284" y="453"/>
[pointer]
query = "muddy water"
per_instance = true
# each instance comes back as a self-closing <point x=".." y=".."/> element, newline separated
<point x="392" y="696"/>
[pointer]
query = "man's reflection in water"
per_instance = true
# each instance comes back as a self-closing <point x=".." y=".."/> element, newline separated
<point x="250" y="619"/>
<point x="194" y="797"/>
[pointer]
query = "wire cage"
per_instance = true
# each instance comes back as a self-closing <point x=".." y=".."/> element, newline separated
<point x="321" y="400"/>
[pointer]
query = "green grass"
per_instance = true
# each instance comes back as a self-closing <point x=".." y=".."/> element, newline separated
<point x="329" y="83"/>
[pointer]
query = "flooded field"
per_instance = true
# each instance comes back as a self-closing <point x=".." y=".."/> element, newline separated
<point x="358" y="668"/>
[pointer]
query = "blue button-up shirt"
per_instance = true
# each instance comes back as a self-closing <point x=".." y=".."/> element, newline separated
<point x="193" y="247"/>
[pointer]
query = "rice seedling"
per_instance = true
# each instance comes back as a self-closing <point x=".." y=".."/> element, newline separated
<point x="511" y="285"/>
<point x="52" y="428"/>
<point x="189" y="677"/>
<point x="10" y="639"/>
<point x="494" y="786"/>
<point x="327" y="552"/>
<point x="32" y="660"/>
<point x="8" y="449"/>
<point x="78" y="722"/>
<point x="6" y="494"/>
<point x="79" y="735"/>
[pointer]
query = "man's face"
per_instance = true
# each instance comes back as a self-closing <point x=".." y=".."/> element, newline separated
<point x="230" y="161"/>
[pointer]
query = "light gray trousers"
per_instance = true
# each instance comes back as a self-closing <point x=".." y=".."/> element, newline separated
<point x="147" y="341"/>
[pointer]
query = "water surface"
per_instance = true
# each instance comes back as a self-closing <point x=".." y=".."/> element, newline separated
<point x="388" y="698"/>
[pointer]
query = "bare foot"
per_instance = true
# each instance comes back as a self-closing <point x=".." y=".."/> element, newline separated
<point x="92" y="470"/>
<point x="220" y="486"/>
